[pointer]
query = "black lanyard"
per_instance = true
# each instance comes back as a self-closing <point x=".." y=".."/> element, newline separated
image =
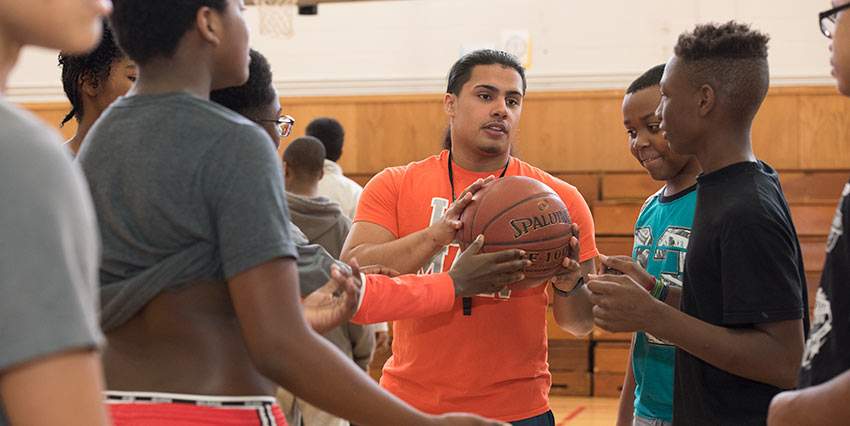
<point x="452" y="176"/>
<point x="467" y="301"/>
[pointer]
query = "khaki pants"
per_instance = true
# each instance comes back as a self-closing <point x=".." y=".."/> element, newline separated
<point x="299" y="412"/>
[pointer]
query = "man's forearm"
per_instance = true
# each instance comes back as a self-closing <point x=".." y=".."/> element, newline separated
<point x="406" y="255"/>
<point x="574" y="313"/>
<point x="738" y="351"/>
<point x="827" y="404"/>
<point x="404" y="297"/>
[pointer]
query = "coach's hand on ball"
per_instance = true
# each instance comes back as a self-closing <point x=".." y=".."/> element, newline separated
<point x="445" y="231"/>
<point x="620" y="303"/>
<point x="483" y="273"/>
<point x="566" y="279"/>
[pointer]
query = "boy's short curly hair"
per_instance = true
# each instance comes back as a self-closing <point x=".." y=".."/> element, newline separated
<point x="652" y="77"/>
<point x="256" y="93"/>
<point x="331" y="133"/>
<point x="149" y="29"/>
<point x="732" y="59"/>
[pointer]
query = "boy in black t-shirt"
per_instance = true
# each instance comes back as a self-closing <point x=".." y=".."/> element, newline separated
<point x="826" y="360"/>
<point x="742" y="314"/>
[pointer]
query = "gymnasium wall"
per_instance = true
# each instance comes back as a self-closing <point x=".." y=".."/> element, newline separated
<point x="407" y="46"/>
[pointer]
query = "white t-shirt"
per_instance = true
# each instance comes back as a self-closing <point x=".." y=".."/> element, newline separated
<point x="337" y="187"/>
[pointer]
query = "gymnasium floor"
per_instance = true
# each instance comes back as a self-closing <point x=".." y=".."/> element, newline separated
<point x="577" y="411"/>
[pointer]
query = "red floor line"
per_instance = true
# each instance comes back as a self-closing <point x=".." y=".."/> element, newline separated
<point x="572" y="415"/>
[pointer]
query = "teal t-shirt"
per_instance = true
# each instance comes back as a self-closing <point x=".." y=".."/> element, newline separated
<point x="662" y="231"/>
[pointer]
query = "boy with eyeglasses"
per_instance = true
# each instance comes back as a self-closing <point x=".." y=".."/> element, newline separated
<point x="824" y="372"/>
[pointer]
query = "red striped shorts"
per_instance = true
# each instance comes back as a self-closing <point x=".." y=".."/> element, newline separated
<point x="168" y="409"/>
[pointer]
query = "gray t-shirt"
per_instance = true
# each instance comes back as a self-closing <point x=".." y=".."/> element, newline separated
<point x="48" y="246"/>
<point x="314" y="262"/>
<point x="185" y="191"/>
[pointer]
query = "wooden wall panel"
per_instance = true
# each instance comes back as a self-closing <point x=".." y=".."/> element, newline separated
<point x="608" y="385"/>
<point x="825" y="132"/>
<point x="776" y="131"/>
<point x="798" y="128"/>
<point x="812" y="219"/>
<point x="611" y="357"/>
<point x="380" y="131"/>
<point x="570" y="133"/>
<point x="821" y="186"/>
<point x="613" y="246"/>
<point x="566" y="355"/>
<point x="615" y="218"/>
<point x="570" y="383"/>
<point x="52" y="114"/>
<point x="586" y="183"/>
<point x="629" y="186"/>
<point x="607" y="336"/>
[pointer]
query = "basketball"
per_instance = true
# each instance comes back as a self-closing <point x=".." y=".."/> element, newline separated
<point x="518" y="212"/>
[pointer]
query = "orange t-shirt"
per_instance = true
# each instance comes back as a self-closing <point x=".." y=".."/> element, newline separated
<point x="493" y="362"/>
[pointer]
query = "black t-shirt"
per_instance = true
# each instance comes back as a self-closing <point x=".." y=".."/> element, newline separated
<point x="743" y="267"/>
<point x="828" y="347"/>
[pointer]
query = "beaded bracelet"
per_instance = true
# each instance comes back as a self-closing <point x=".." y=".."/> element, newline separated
<point x="659" y="290"/>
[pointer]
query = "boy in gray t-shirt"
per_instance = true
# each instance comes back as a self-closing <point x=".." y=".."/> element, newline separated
<point x="200" y="290"/>
<point x="49" y="248"/>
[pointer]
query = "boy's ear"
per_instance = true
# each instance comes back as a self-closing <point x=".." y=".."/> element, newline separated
<point x="88" y="85"/>
<point x="208" y="24"/>
<point x="707" y="99"/>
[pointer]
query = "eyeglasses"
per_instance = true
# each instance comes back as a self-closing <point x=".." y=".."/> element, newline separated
<point x="284" y="124"/>
<point x="827" y="19"/>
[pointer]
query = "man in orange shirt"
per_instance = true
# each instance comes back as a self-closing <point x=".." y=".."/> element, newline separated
<point x="486" y="354"/>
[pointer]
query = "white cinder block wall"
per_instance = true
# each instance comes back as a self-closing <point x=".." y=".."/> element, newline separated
<point x="407" y="46"/>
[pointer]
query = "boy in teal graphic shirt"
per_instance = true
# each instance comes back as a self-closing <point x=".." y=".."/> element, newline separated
<point x="661" y="242"/>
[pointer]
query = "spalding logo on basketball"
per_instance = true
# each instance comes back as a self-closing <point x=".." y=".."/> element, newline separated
<point x="523" y="213"/>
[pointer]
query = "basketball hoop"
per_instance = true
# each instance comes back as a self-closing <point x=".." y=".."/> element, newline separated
<point x="276" y="17"/>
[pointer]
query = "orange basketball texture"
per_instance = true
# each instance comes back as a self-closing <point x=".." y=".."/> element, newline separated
<point x="523" y="213"/>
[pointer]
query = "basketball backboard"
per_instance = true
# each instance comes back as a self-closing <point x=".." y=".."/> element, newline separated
<point x="276" y="16"/>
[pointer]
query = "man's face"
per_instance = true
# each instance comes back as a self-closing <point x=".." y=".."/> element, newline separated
<point x="679" y="109"/>
<point x="485" y="115"/>
<point x="840" y="49"/>
<point x="73" y="26"/>
<point x="232" y="56"/>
